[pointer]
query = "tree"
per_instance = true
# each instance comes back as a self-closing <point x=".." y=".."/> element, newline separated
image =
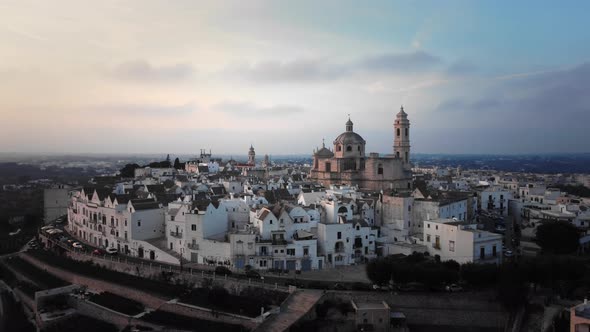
<point x="512" y="287"/>
<point x="558" y="237"/>
<point x="129" y="170"/>
<point x="177" y="163"/>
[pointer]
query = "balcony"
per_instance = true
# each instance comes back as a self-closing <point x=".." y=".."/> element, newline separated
<point x="176" y="234"/>
<point x="193" y="246"/>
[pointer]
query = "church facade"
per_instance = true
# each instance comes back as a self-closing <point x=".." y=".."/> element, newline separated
<point x="348" y="163"/>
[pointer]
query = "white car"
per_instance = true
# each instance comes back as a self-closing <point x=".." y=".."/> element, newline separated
<point x="111" y="251"/>
<point x="44" y="228"/>
<point x="77" y="245"/>
<point x="508" y="253"/>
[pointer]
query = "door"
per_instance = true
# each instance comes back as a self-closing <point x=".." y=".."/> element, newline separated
<point x="194" y="257"/>
<point x="152" y="255"/>
<point x="482" y="253"/>
<point x="291" y="265"/>
<point x="306" y="265"/>
<point x="240" y="263"/>
<point x="280" y="265"/>
<point x="320" y="263"/>
<point x="140" y="252"/>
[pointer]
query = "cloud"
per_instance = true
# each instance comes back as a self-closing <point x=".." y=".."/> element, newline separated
<point x="143" y="71"/>
<point x="319" y="70"/>
<point x="461" y="67"/>
<point x="302" y="70"/>
<point x="142" y="110"/>
<point x="250" y="109"/>
<point x="548" y="100"/>
<point x="400" y="62"/>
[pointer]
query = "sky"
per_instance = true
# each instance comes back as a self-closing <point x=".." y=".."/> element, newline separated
<point x="178" y="76"/>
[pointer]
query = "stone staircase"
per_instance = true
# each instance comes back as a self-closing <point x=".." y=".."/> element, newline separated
<point x="297" y="305"/>
<point x="162" y="244"/>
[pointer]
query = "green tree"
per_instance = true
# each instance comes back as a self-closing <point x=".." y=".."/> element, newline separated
<point x="558" y="237"/>
<point x="129" y="170"/>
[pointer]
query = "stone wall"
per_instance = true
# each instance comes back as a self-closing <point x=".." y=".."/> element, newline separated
<point x="207" y="314"/>
<point x="457" y="309"/>
<point x="148" y="300"/>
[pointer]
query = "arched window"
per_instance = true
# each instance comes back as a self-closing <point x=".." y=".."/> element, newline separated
<point x="342" y="209"/>
<point x="359" y="147"/>
<point x="397" y="154"/>
<point x="398" y="132"/>
<point x="349" y="148"/>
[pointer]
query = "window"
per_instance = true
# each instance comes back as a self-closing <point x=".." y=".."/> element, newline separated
<point x="193" y="227"/>
<point x="339" y="235"/>
<point x="436" y="227"/>
<point x="262" y="263"/>
<point x="276" y="251"/>
<point x="452" y="246"/>
<point x="305" y="251"/>
<point x="338" y="148"/>
<point x="407" y="132"/>
<point x="359" y="148"/>
<point x="291" y="252"/>
<point x="380" y="169"/>
<point x="139" y="223"/>
<point x="358" y="227"/>
<point x="171" y="218"/>
<point x="125" y="222"/>
<point x="328" y="167"/>
<point x="398" y="132"/>
<point x="250" y="245"/>
<point x="427" y="237"/>
<point x="427" y="225"/>
<point x="349" y="148"/>
<point x="125" y="235"/>
<point x="494" y="251"/>
<point x="270" y="221"/>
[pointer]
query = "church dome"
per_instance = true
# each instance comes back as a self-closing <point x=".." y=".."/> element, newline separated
<point x="324" y="152"/>
<point x="349" y="137"/>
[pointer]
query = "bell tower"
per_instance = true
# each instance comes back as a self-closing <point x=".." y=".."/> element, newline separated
<point x="251" y="156"/>
<point x="401" y="142"/>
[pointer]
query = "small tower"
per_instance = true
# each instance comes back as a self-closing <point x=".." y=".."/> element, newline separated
<point x="266" y="162"/>
<point x="401" y="143"/>
<point x="349" y="125"/>
<point x="251" y="156"/>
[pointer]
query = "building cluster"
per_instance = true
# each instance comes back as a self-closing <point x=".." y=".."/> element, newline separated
<point x="345" y="208"/>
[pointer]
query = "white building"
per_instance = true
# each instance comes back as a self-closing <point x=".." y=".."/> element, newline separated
<point x="105" y="220"/>
<point x="494" y="199"/>
<point x="464" y="243"/>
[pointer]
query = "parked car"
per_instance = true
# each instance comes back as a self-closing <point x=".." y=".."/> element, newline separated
<point x="97" y="252"/>
<point x="412" y="287"/>
<point x="112" y="251"/>
<point x="252" y="274"/>
<point x="454" y="288"/>
<point x="222" y="270"/>
<point x="78" y="245"/>
<point x="508" y="253"/>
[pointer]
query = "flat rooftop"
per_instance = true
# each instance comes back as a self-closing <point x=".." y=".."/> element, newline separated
<point x="583" y="310"/>
<point x="370" y="305"/>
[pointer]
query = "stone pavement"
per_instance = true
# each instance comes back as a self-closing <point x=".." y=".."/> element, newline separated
<point x="292" y="310"/>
